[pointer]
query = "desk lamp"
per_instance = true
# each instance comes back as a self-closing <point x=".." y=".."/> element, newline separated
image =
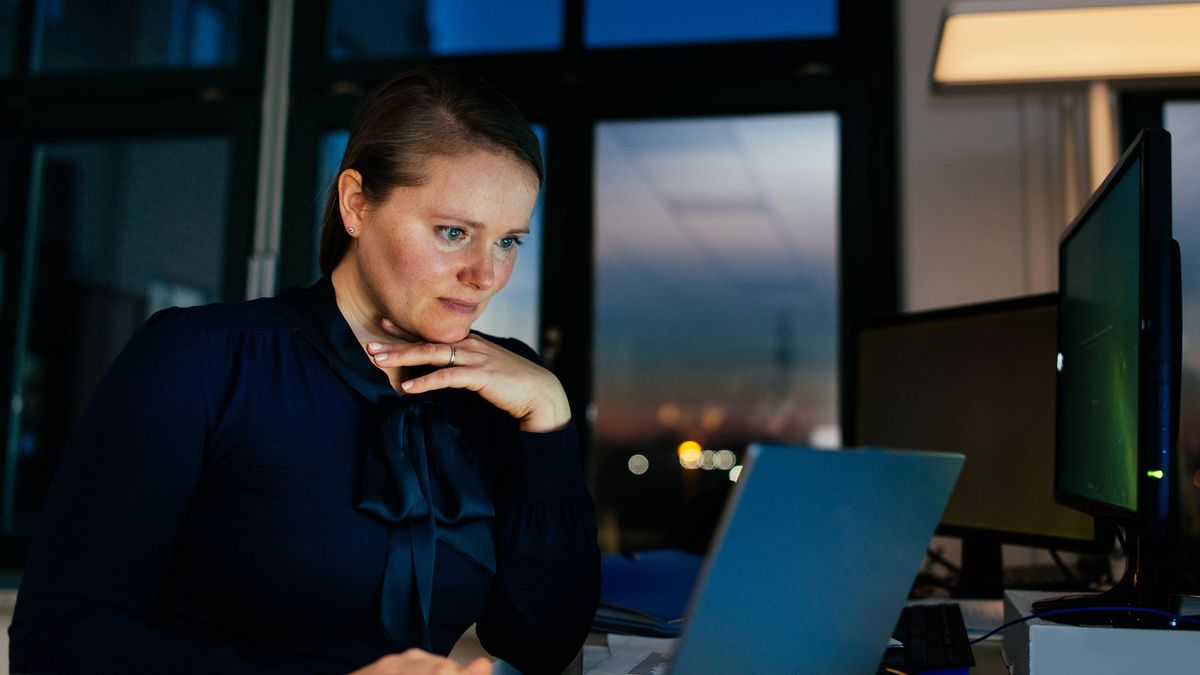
<point x="989" y="43"/>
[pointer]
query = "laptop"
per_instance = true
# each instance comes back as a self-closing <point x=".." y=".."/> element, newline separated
<point x="813" y="560"/>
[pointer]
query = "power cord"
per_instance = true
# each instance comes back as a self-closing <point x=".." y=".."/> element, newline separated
<point x="1175" y="618"/>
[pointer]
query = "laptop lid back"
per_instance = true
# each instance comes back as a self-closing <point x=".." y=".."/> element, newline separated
<point x="814" y="560"/>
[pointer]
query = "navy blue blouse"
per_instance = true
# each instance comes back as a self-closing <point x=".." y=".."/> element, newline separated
<point x="246" y="493"/>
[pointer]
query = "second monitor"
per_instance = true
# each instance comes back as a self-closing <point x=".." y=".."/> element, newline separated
<point x="979" y="380"/>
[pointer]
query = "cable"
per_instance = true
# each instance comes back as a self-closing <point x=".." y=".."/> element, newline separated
<point x="1078" y="610"/>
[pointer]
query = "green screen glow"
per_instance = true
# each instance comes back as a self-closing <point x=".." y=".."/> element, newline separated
<point x="1099" y="377"/>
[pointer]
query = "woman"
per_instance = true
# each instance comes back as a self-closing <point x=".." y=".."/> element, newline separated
<point x="320" y="481"/>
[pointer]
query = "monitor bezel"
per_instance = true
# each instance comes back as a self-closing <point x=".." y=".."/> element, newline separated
<point x="1102" y="532"/>
<point x="1157" y="367"/>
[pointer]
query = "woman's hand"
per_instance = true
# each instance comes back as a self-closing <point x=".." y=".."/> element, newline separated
<point x="418" y="662"/>
<point x="513" y="384"/>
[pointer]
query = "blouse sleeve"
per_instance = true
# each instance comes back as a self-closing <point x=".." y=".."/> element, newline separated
<point x="547" y="581"/>
<point x="110" y="519"/>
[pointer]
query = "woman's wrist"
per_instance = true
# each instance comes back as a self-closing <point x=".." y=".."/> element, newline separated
<point x="553" y="415"/>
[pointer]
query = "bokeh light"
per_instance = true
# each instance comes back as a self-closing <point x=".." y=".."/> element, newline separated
<point x="638" y="464"/>
<point x="689" y="454"/>
<point x="725" y="460"/>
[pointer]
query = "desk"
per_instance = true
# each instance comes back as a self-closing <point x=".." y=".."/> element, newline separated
<point x="619" y="654"/>
<point x="599" y="658"/>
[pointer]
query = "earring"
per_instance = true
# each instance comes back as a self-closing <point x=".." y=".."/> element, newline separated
<point x="350" y="230"/>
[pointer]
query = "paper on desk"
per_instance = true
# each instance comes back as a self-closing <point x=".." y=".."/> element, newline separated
<point x="629" y="655"/>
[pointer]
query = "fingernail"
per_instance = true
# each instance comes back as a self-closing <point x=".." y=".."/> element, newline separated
<point x="374" y="346"/>
<point x="388" y="322"/>
<point x="406" y="386"/>
<point x="381" y="357"/>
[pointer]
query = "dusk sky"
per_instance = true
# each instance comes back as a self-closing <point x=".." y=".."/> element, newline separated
<point x="716" y="274"/>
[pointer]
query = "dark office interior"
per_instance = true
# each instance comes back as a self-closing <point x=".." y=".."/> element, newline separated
<point x="730" y="200"/>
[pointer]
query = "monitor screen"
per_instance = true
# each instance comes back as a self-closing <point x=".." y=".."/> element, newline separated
<point x="977" y="380"/>
<point x="1099" y="365"/>
<point x="1118" y="362"/>
<point x="1118" y="378"/>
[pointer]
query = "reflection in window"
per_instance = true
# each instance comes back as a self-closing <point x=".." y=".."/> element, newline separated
<point x="716" y="311"/>
<point x="122" y="229"/>
<point x="372" y="29"/>
<point x="1182" y="119"/>
<point x="134" y="34"/>
<point x="514" y="311"/>
<point x="626" y="23"/>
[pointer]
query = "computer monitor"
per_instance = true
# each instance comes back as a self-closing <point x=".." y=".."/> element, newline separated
<point x="976" y="379"/>
<point x="1118" y="371"/>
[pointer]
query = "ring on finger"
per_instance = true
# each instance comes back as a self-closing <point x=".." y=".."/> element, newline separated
<point x="453" y="355"/>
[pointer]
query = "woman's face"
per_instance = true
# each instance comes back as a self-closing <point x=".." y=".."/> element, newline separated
<point x="431" y="257"/>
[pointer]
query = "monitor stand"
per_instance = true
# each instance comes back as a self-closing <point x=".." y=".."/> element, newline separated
<point x="982" y="572"/>
<point x="1142" y="586"/>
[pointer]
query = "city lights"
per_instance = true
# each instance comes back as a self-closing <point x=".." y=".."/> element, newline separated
<point x="689" y="454"/>
<point x="638" y="464"/>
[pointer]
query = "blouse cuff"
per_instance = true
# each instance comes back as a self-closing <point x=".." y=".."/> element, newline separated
<point x="548" y="465"/>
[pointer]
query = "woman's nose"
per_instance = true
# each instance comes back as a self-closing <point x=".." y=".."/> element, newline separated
<point x="479" y="271"/>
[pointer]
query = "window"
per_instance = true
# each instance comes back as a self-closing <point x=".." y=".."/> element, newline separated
<point x="716" y="309"/>
<point x="134" y="34"/>
<point x="131" y="141"/>
<point x="1182" y="119"/>
<point x="121" y="229"/>
<point x="366" y="29"/>
<point x="626" y="23"/>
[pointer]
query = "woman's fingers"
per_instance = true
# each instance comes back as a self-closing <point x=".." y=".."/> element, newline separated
<point x="391" y="355"/>
<point x="508" y="381"/>
<point x="418" y="662"/>
<point x="479" y="666"/>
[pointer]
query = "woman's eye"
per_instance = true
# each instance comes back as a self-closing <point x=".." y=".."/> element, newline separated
<point x="452" y="233"/>
<point x="509" y="242"/>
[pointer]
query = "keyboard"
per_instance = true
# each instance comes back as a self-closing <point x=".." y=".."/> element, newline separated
<point x="934" y="637"/>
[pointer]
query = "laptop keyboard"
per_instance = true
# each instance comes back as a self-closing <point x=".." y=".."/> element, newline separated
<point x="933" y="636"/>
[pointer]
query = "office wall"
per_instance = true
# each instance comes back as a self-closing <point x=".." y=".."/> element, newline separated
<point x="988" y="182"/>
<point x="983" y="193"/>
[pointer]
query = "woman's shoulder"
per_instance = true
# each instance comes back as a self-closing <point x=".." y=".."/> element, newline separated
<point x="250" y="316"/>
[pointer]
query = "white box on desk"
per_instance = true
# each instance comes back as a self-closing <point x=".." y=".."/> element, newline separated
<point x="1039" y="647"/>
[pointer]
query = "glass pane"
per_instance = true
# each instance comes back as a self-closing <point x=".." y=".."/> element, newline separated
<point x="625" y="23"/>
<point x="134" y="34"/>
<point x="330" y="147"/>
<point x="121" y="230"/>
<point x="1182" y="119"/>
<point x="372" y="29"/>
<point x="513" y="312"/>
<point x="716" y="311"/>
<point x="8" y="32"/>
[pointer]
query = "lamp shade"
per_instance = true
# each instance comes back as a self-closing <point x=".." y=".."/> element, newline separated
<point x="987" y="42"/>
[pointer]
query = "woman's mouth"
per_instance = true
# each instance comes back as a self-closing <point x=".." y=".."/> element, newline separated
<point x="459" y="306"/>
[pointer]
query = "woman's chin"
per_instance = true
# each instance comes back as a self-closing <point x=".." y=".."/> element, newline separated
<point x="447" y="336"/>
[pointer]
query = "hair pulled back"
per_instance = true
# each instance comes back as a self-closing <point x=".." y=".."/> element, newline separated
<point x="423" y="112"/>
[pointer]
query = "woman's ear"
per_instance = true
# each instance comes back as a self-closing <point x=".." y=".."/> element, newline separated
<point x="351" y="201"/>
